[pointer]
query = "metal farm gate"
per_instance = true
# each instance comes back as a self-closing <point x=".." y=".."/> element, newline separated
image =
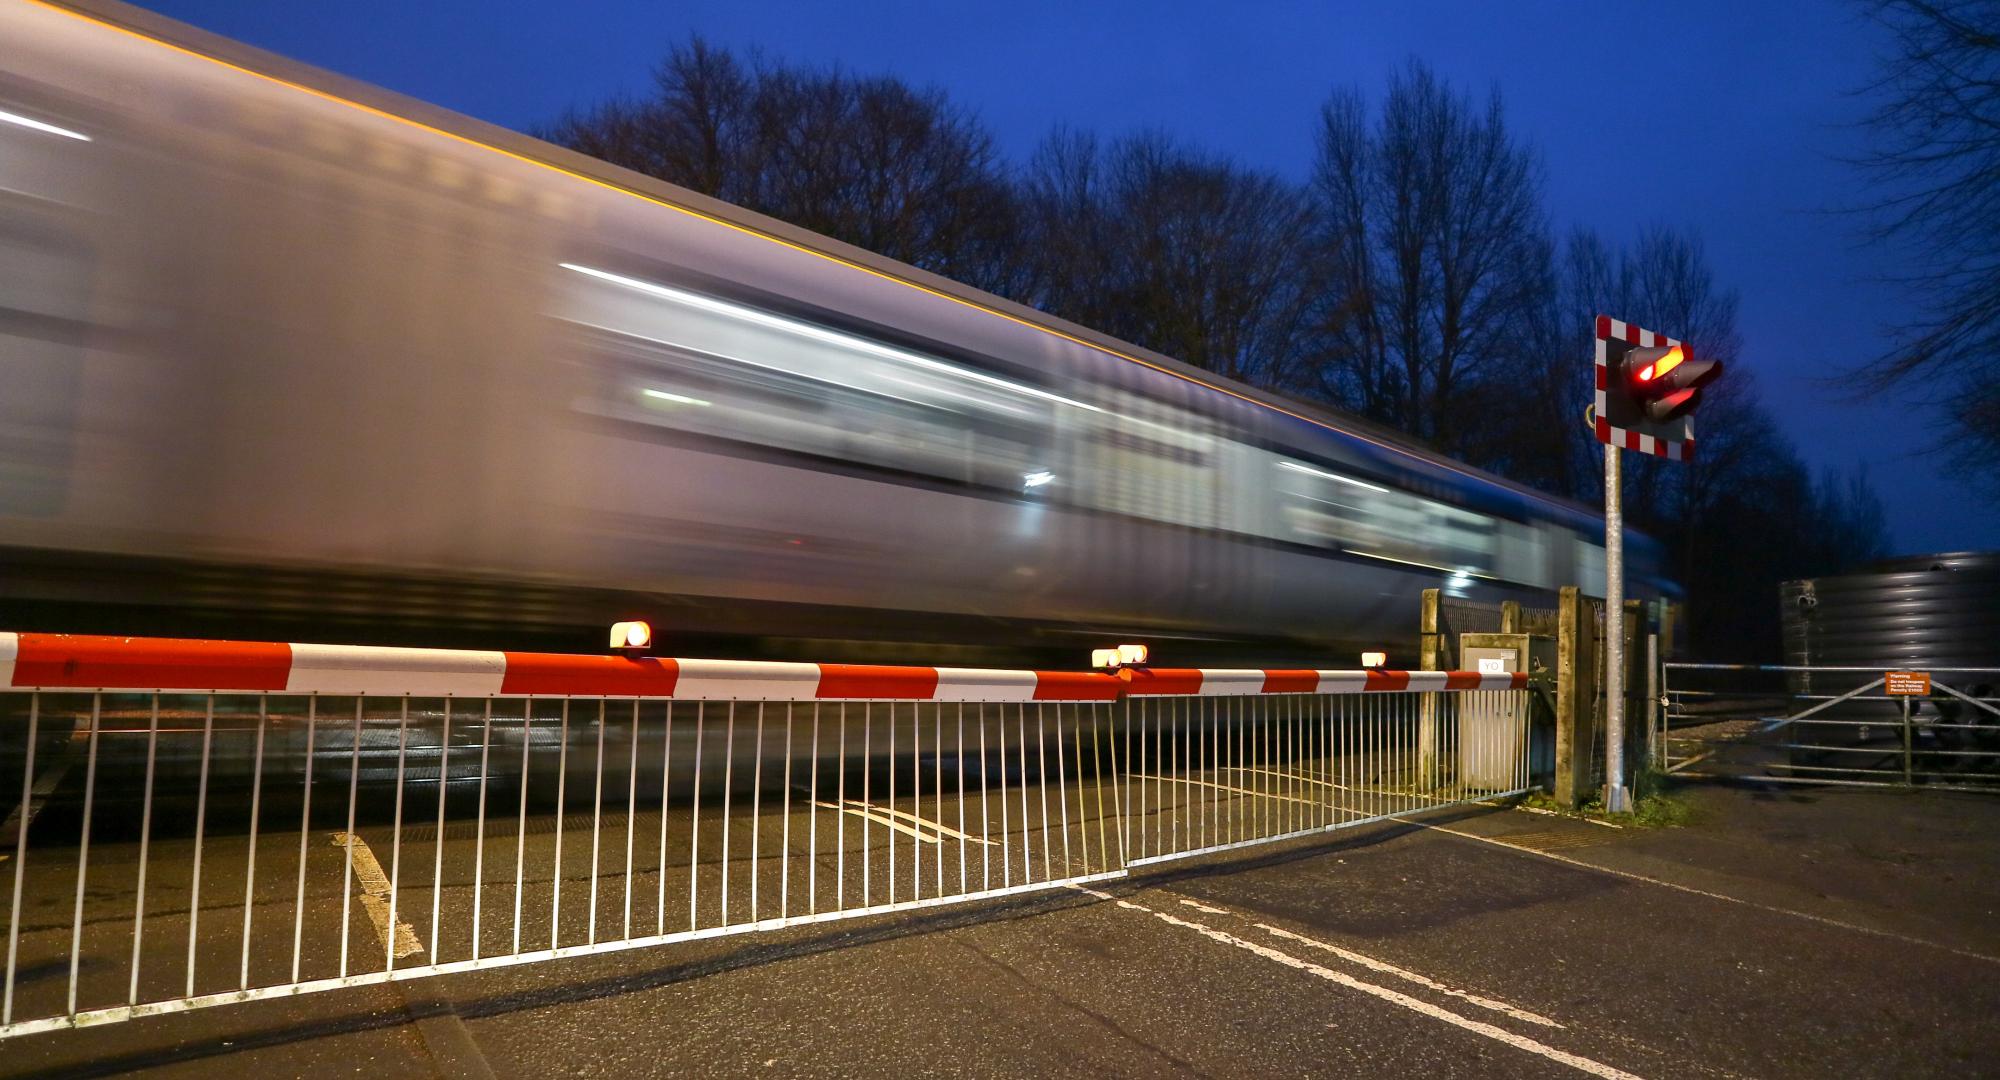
<point x="204" y="822"/>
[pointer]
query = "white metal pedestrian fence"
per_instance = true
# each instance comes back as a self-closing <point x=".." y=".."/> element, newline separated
<point x="209" y="822"/>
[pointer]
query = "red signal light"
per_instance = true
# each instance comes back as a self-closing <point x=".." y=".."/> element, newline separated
<point x="1663" y="365"/>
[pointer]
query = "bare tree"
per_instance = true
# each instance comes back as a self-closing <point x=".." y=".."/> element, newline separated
<point x="1937" y="159"/>
<point x="873" y="161"/>
<point x="1433" y="250"/>
<point x="1177" y="250"/>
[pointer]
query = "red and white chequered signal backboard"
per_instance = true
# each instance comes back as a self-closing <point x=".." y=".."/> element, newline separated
<point x="1673" y="440"/>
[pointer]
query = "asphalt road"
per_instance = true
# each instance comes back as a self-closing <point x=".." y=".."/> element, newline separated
<point x="1786" y="934"/>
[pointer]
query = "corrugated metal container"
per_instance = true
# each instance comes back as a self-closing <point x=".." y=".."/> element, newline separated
<point x="1917" y="612"/>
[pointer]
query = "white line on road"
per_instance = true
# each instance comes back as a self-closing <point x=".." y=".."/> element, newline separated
<point x="1226" y="787"/>
<point x="883" y="815"/>
<point x="375" y="896"/>
<point x="1808" y="916"/>
<point x="1385" y="967"/>
<point x="1425" y="1008"/>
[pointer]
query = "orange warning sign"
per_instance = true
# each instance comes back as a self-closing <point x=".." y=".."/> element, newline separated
<point x="1916" y="683"/>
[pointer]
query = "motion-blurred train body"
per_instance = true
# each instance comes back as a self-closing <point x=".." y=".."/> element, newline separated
<point x="274" y="344"/>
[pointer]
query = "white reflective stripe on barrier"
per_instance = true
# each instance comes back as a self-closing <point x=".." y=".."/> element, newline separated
<point x="10" y="644"/>
<point x="1228" y="682"/>
<point x="362" y="669"/>
<point x="713" y="680"/>
<point x="982" y="684"/>
<point x="1342" y="682"/>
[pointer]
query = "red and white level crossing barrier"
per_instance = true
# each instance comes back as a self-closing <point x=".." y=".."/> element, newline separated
<point x="83" y="662"/>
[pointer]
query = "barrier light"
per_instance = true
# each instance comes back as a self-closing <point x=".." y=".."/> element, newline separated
<point x="631" y="636"/>
<point x="1122" y="656"/>
<point x="1374" y="659"/>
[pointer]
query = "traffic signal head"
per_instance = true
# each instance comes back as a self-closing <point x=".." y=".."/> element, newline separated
<point x="1647" y="388"/>
<point x="1664" y="380"/>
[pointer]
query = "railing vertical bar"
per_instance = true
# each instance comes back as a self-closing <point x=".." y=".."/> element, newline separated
<point x="756" y="810"/>
<point x="1062" y="782"/>
<point x="145" y="840"/>
<point x="985" y="818"/>
<point x="396" y="838"/>
<point x="347" y="855"/>
<point x="1082" y="808"/>
<point x="785" y="863"/>
<point x="1145" y="848"/>
<point x="1191" y="799"/>
<point x="1214" y="718"/>
<point x="200" y="835"/>
<point x="1098" y="715"/>
<point x="250" y="863"/>
<point x="1027" y="855"/>
<point x="962" y="834"/>
<point x="694" y="827"/>
<point x="890" y="830"/>
<point x="521" y="830"/>
<point x="916" y="800"/>
<point x="867" y="795"/>
<point x="840" y="820"/>
<point x="1123" y="747"/>
<point x="1006" y="831"/>
<point x="596" y="821"/>
<point x="632" y="816"/>
<point x="305" y="830"/>
<point x="666" y="786"/>
<point x="479" y="826"/>
<point x="437" y="864"/>
<point x="83" y="846"/>
<point x="562" y="811"/>
<point x="20" y="856"/>
<point x="728" y="778"/>
<point x="812" y="822"/>
<point x="937" y="790"/>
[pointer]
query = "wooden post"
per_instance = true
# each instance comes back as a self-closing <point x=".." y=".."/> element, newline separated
<point x="1634" y="684"/>
<point x="1510" y="616"/>
<point x="1574" y="710"/>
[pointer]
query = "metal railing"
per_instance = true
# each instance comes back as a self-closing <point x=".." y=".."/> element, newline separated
<point x="204" y="823"/>
<point x="1829" y="725"/>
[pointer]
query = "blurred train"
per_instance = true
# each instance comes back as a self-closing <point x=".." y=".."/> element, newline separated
<point x="290" y="356"/>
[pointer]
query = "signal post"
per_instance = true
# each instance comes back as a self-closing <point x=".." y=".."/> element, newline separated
<point x="1647" y="387"/>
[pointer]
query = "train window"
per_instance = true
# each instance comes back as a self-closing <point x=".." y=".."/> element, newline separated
<point x="1330" y="508"/>
<point x="716" y="368"/>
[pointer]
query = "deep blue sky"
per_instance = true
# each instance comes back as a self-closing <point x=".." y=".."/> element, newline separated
<point x="1722" y="114"/>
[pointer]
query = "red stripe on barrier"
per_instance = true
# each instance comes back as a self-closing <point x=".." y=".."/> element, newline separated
<point x="619" y="676"/>
<point x="1631" y="334"/>
<point x="1077" y="686"/>
<point x="1162" y="680"/>
<point x="83" y="660"/>
<point x="1520" y="680"/>
<point x="1461" y="680"/>
<point x="1604" y="326"/>
<point x="1290" y="681"/>
<point x="877" y="681"/>
<point x="1379" y="680"/>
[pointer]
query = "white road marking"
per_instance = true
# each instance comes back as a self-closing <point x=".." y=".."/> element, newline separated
<point x="1808" y="916"/>
<point x="1226" y="787"/>
<point x="1425" y="1008"/>
<point x="1386" y="968"/>
<point x="375" y="896"/>
<point x="883" y="815"/>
